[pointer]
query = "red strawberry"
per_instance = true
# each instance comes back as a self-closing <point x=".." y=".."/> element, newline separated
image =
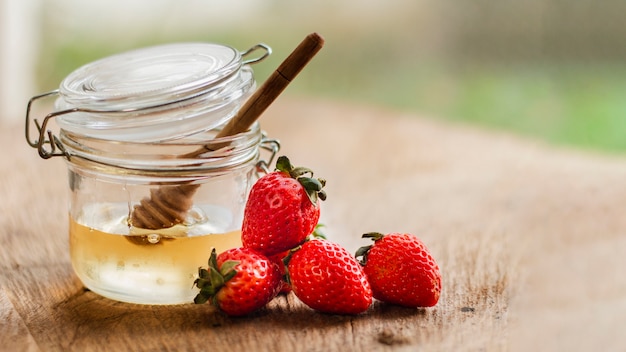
<point x="285" y="287"/>
<point x="282" y="209"/>
<point x="327" y="278"/>
<point x="238" y="281"/>
<point x="279" y="259"/>
<point x="401" y="270"/>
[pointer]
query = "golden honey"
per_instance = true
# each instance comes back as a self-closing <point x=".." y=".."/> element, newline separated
<point x="142" y="266"/>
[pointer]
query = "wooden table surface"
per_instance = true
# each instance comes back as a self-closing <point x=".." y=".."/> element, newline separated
<point x="531" y="241"/>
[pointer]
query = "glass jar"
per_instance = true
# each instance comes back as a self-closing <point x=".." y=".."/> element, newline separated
<point x="138" y="132"/>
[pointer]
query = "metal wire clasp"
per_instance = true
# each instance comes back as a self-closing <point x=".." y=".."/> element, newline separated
<point x="46" y="143"/>
<point x="268" y="52"/>
<point x="271" y="145"/>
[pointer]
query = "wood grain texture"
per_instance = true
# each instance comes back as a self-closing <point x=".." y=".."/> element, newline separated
<point x="15" y="335"/>
<point x="530" y="240"/>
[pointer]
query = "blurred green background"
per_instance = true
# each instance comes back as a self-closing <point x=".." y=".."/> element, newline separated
<point x="553" y="70"/>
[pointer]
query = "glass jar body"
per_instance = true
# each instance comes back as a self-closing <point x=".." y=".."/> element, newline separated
<point x="125" y="263"/>
<point x="133" y="127"/>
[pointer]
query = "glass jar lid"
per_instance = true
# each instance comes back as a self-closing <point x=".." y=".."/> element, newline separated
<point x="137" y="78"/>
<point x="156" y="93"/>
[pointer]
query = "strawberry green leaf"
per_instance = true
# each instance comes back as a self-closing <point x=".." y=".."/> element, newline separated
<point x="213" y="259"/>
<point x="228" y="266"/>
<point x="208" y="291"/>
<point x="201" y="283"/>
<point x="318" y="233"/>
<point x="228" y="269"/>
<point x="283" y="164"/>
<point x="363" y="251"/>
<point x="310" y="183"/>
<point x="203" y="273"/>
<point x="312" y="196"/>
<point x="200" y="299"/>
<point x="313" y="188"/>
<point x="299" y="171"/>
<point x="217" y="280"/>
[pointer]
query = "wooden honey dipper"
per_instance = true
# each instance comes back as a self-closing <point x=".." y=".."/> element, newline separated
<point x="168" y="205"/>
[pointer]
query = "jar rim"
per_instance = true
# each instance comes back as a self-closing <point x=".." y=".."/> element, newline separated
<point x="172" y="157"/>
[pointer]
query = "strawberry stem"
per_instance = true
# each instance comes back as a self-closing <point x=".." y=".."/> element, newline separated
<point x="375" y="236"/>
<point x="364" y="251"/>
<point x="362" y="254"/>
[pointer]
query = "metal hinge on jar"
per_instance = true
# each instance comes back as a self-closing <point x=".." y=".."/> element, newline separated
<point x="271" y="145"/>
